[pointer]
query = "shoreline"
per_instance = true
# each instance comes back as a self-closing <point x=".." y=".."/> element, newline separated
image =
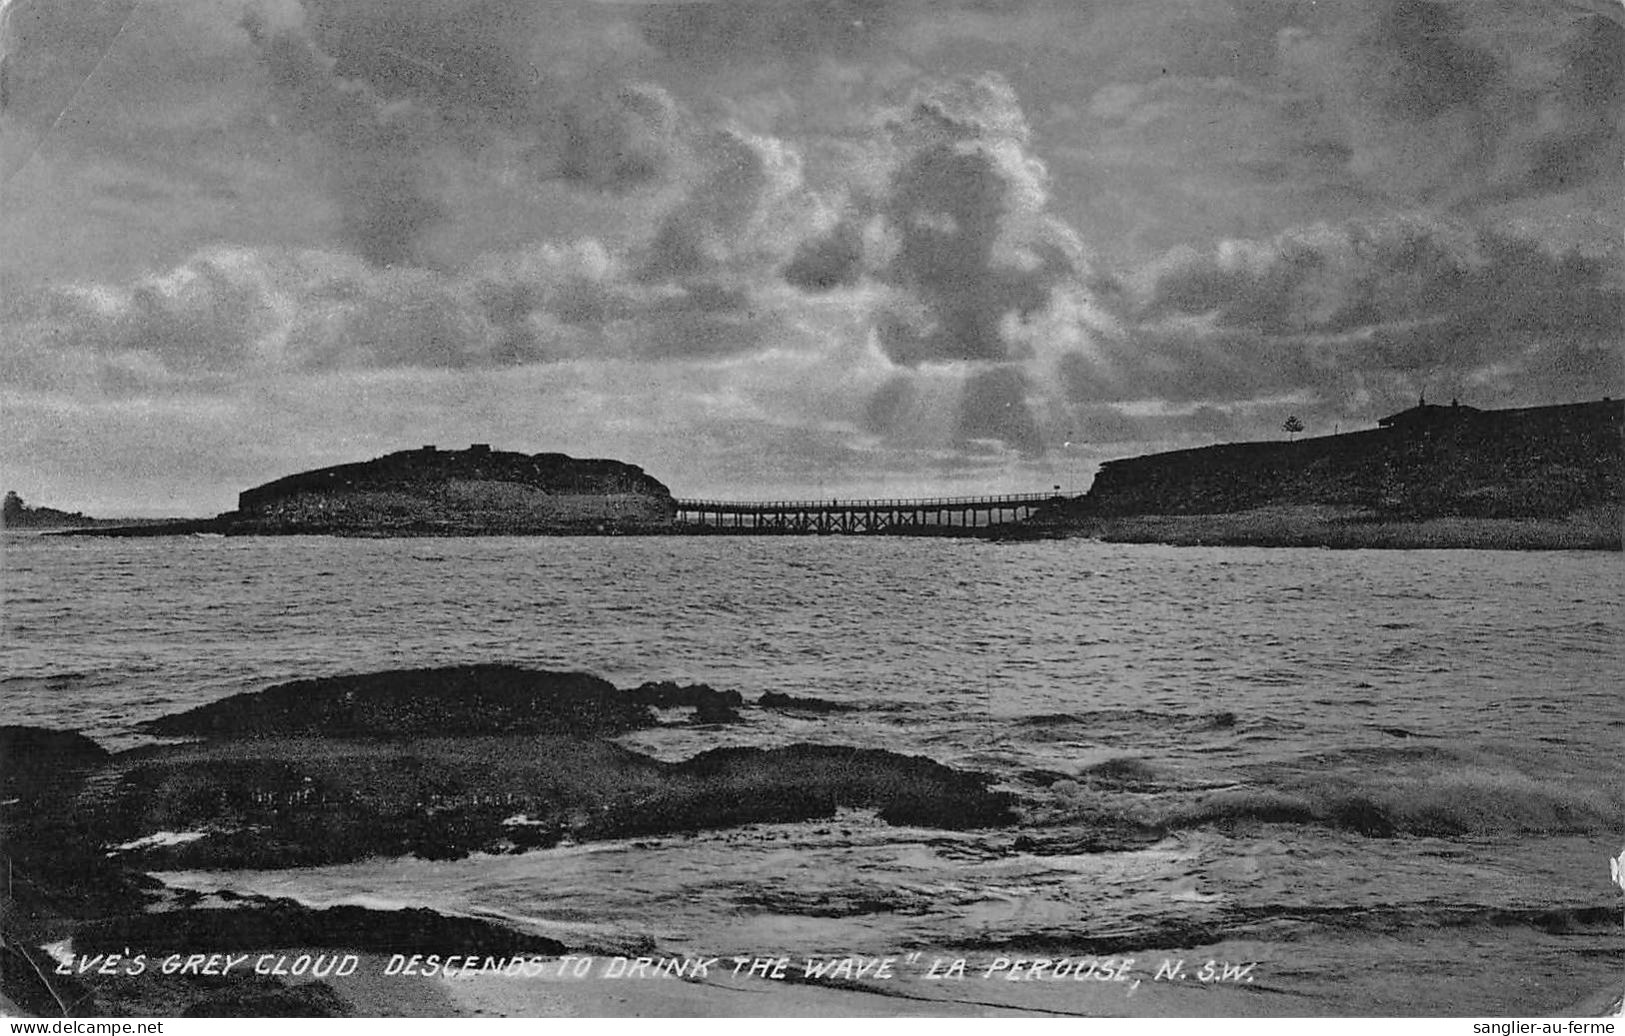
<point x="1343" y="529"/>
<point x="1299" y="526"/>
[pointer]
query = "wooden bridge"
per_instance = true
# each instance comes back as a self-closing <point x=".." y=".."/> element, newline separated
<point x="952" y="515"/>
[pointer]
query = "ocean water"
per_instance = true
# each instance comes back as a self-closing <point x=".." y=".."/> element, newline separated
<point x="1393" y="779"/>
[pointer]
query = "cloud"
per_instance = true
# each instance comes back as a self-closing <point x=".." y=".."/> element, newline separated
<point x="961" y="250"/>
<point x="226" y="316"/>
<point x="1441" y="101"/>
<point x="1582" y="141"/>
<point x="722" y="32"/>
<point x="375" y="170"/>
<point x="959" y="230"/>
<point x="394" y="92"/>
<point x="1361" y="316"/>
<point x="623" y="138"/>
<point x="994" y="407"/>
<point x="792" y="226"/>
<point x="1417" y="52"/>
<point x="735" y="213"/>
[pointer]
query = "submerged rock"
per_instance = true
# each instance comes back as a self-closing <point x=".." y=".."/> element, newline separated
<point x="904" y="789"/>
<point x="667" y="694"/>
<point x="790" y="702"/>
<point x="450" y="701"/>
<point x="709" y="704"/>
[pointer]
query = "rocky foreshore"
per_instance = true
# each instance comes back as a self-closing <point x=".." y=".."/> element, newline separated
<point x="1346" y="528"/>
<point x="434" y="763"/>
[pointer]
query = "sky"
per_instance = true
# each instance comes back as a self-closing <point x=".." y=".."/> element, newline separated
<point x="786" y="248"/>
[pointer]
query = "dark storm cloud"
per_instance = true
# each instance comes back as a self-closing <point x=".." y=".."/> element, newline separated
<point x="375" y="169"/>
<point x="390" y="87"/>
<point x="1590" y="91"/>
<point x="960" y="243"/>
<point x="1365" y="309"/>
<point x="1425" y="67"/>
<point x="946" y="208"/>
<point x="720" y="32"/>
<point x="994" y="406"/>
<point x="829" y="261"/>
<point x="1461" y="103"/>
<point x="700" y="232"/>
<point x="619" y="138"/>
<point x="229" y="314"/>
<point x="447" y="56"/>
<point x="963" y="235"/>
<point x="703" y="321"/>
<point x="888" y="405"/>
<point x="1109" y="425"/>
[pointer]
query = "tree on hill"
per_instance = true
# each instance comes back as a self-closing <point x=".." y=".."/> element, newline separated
<point x="14" y="506"/>
<point x="1292" y="426"/>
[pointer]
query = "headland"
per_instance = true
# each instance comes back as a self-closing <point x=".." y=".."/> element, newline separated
<point x="432" y="492"/>
<point x="1431" y="476"/>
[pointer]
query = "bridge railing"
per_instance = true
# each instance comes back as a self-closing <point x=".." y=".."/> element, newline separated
<point x="899" y="504"/>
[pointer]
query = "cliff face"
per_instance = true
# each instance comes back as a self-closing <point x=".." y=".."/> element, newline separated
<point x="1542" y="462"/>
<point x="457" y="492"/>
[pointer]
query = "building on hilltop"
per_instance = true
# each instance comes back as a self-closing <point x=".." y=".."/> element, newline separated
<point x="1428" y="415"/>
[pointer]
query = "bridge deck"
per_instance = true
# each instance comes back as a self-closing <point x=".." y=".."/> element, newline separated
<point x="832" y="506"/>
<point x="917" y="515"/>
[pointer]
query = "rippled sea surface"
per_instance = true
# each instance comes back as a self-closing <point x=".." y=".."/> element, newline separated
<point x="1394" y="779"/>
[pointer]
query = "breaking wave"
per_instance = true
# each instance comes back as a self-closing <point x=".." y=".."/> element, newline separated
<point x="1460" y="801"/>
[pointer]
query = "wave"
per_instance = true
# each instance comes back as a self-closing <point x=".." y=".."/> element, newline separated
<point x="1460" y="801"/>
<point x="1281" y="922"/>
<point x="1126" y="772"/>
<point x="1141" y="718"/>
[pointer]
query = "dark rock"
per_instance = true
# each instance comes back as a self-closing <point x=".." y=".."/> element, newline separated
<point x="303" y="803"/>
<point x="669" y="695"/>
<point x="453" y="701"/>
<point x="709" y="704"/>
<point x="1103" y="837"/>
<point x="287" y="923"/>
<point x="713" y="712"/>
<point x="903" y="789"/>
<point x="53" y="846"/>
<point x="311" y="801"/>
<point x="37" y="756"/>
<point x="793" y="703"/>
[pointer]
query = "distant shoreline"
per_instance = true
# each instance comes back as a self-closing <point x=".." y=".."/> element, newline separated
<point x="1302" y="527"/>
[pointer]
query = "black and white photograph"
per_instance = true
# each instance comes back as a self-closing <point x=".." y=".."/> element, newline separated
<point x="812" y="509"/>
